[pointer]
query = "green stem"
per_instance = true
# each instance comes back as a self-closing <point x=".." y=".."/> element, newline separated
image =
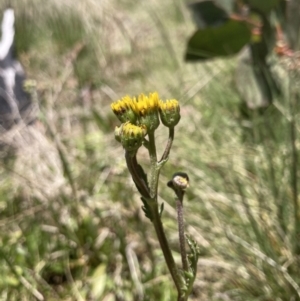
<point x="294" y="170"/>
<point x="155" y="169"/>
<point x="153" y="205"/>
<point x="137" y="178"/>
<point x="169" y="145"/>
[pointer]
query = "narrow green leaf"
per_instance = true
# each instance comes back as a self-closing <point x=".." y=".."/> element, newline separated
<point x="161" y="209"/>
<point x="146" y="209"/>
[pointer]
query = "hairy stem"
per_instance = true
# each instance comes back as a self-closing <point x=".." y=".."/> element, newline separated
<point x="153" y="205"/>
<point x="155" y="169"/>
<point x="169" y="145"/>
<point x="179" y="282"/>
<point x="137" y="178"/>
<point x="179" y="206"/>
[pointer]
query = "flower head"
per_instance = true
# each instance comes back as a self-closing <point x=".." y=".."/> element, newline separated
<point x="146" y="110"/>
<point x="169" y="112"/>
<point x="143" y="105"/>
<point x="122" y="109"/>
<point x="132" y="136"/>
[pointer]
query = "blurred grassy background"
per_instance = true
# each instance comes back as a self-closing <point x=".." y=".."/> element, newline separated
<point x="71" y="224"/>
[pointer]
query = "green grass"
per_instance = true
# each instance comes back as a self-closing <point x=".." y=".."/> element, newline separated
<point x="71" y="224"/>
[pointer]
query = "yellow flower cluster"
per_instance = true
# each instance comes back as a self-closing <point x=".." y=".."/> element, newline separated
<point x="140" y="115"/>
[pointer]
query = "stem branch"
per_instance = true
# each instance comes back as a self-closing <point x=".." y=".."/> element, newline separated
<point x="153" y="205"/>
<point x="137" y="178"/>
<point x="154" y="172"/>
<point x="169" y="145"/>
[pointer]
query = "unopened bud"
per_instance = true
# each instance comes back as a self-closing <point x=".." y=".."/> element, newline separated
<point x="169" y="112"/>
<point x="122" y="109"/>
<point x="132" y="136"/>
<point x="146" y="110"/>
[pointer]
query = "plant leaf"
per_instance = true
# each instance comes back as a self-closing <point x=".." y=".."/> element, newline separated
<point x="227" y="5"/>
<point x="161" y="209"/>
<point x="223" y="40"/>
<point x="264" y="6"/>
<point x="194" y="255"/>
<point x="208" y="14"/>
<point x="146" y="209"/>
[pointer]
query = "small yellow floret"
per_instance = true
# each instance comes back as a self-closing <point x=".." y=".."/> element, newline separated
<point x="122" y="109"/>
<point x="169" y="105"/>
<point x="121" y="106"/>
<point x="132" y="136"/>
<point x="143" y="104"/>
<point x="131" y="130"/>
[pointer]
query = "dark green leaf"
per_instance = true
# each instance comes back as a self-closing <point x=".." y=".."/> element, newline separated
<point x="146" y="209"/>
<point x="224" y="40"/>
<point x="227" y="5"/>
<point x="161" y="209"/>
<point x="263" y="6"/>
<point x="208" y="14"/>
<point x="142" y="174"/>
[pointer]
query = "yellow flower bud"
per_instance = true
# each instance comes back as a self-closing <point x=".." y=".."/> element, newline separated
<point x="169" y="112"/>
<point x="132" y="136"/>
<point x="146" y="110"/>
<point x="122" y="109"/>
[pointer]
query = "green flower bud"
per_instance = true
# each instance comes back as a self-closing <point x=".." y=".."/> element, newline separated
<point x="169" y="112"/>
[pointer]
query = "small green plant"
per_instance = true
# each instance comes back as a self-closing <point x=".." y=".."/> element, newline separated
<point x="140" y="117"/>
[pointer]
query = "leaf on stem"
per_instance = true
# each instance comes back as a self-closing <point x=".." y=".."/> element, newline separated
<point x="194" y="255"/>
<point x="146" y="209"/>
<point x="161" y="209"/>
